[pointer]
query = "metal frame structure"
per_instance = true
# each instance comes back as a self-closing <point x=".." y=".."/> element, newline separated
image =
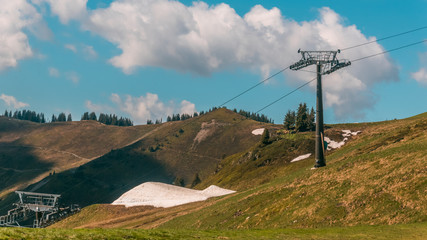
<point x="40" y="208"/>
<point x="326" y="63"/>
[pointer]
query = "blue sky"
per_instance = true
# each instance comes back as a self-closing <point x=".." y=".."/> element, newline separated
<point x="149" y="59"/>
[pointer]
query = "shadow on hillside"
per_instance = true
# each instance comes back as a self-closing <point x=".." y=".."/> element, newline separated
<point x="17" y="165"/>
<point x="105" y="179"/>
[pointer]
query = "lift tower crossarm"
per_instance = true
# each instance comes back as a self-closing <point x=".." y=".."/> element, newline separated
<point x="326" y="62"/>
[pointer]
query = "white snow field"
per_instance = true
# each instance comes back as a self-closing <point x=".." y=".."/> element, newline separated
<point x="302" y="157"/>
<point x="258" y="131"/>
<point x="165" y="195"/>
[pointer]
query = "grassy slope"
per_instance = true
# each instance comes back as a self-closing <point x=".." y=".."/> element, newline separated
<point x="170" y="151"/>
<point x="378" y="178"/>
<point x="407" y="231"/>
<point x="30" y="151"/>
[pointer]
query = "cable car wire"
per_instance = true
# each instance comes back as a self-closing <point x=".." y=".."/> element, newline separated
<point x="342" y="49"/>
<point x="355" y="60"/>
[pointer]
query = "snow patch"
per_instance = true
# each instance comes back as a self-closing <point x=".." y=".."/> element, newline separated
<point x="165" y="195"/>
<point x="258" y="131"/>
<point x="348" y="133"/>
<point x="333" y="145"/>
<point x="301" y="157"/>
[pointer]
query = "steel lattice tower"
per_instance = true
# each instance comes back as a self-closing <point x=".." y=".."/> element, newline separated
<point x="326" y="62"/>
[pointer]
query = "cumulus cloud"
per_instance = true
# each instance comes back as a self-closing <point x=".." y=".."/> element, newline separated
<point x="71" y="47"/>
<point x="66" y="10"/>
<point x="73" y="77"/>
<point x="143" y="108"/>
<point x="420" y="76"/>
<point x="203" y="39"/>
<point x="53" y="72"/>
<point x="16" y="17"/>
<point x="11" y="101"/>
<point x="89" y="52"/>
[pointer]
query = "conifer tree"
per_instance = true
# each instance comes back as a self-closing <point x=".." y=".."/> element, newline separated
<point x="61" y="117"/>
<point x="69" y="118"/>
<point x="301" y="123"/>
<point x="289" y="121"/>
<point x="85" y="116"/>
<point x="92" y="116"/>
<point x="265" y="138"/>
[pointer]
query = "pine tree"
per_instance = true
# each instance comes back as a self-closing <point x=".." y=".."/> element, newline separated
<point x="289" y="121"/>
<point x="54" y="119"/>
<point x="265" y="138"/>
<point x="301" y="124"/>
<point x="61" y="117"/>
<point x="85" y="116"/>
<point x="42" y="119"/>
<point x="69" y="118"/>
<point x="92" y="116"/>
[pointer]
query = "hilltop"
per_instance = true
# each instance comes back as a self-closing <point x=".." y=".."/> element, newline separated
<point x="29" y="152"/>
<point x="377" y="178"/>
<point x="95" y="163"/>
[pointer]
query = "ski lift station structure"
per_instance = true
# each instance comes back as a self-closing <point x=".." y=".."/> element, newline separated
<point x="43" y="208"/>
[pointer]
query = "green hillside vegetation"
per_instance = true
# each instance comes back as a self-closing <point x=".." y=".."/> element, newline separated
<point x="385" y="232"/>
<point x="377" y="178"/>
<point x="29" y="152"/>
<point x="162" y="153"/>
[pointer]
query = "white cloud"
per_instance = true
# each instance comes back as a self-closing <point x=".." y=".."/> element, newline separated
<point x="203" y="39"/>
<point x="53" y="72"/>
<point x="420" y="76"/>
<point x="73" y="77"/>
<point x="187" y="107"/>
<point x="11" y="101"/>
<point x="89" y="52"/>
<point x="71" y="47"/>
<point x="15" y="17"/>
<point x="142" y="108"/>
<point x="66" y="10"/>
<point x="98" y="108"/>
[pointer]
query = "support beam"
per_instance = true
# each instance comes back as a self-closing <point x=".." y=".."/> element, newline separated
<point x="320" y="158"/>
<point x="326" y="63"/>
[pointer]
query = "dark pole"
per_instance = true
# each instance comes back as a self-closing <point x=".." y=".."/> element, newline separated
<point x="320" y="159"/>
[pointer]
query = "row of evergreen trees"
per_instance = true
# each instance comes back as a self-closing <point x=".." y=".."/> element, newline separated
<point x="107" y="119"/>
<point x="254" y="116"/>
<point x="302" y="120"/>
<point x="61" y="118"/>
<point x="26" y="115"/>
<point x="110" y="119"/>
<point x="185" y="116"/>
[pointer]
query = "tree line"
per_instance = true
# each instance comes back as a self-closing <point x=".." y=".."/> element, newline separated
<point x="185" y="116"/>
<point x="302" y="120"/>
<point x="254" y="116"/>
<point x="107" y="119"/>
<point x="26" y="115"/>
<point x="112" y="119"/>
